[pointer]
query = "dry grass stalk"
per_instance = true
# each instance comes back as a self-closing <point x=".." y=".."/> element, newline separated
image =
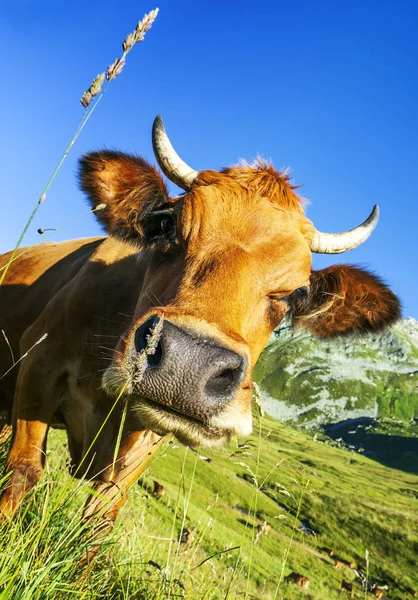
<point x="96" y="91"/>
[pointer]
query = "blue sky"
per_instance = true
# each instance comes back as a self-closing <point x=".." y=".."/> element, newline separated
<point x="328" y="89"/>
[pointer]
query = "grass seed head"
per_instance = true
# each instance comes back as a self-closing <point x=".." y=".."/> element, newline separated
<point x="129" y="42"/>
<point x="94" y="89"/>
<point x="141" y="29"/>
<point x="145" y="25"/>
<point x="152" y="342"/>
<point x="96" y="86"/>
<point x="86" y="98"/>
<point x="115" y="68"/>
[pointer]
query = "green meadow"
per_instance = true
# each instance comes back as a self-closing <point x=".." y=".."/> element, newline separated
<point x="205" y="538"/>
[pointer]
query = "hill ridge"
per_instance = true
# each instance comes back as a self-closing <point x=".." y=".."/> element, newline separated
<point x="313" y="382"/>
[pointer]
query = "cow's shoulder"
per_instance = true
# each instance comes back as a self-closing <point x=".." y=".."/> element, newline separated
<point x="108" y="282"/>
<point x="41" y="278"/>
<point x="31" y="263"/>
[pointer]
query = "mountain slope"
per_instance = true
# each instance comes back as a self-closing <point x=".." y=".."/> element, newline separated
<point x="315" y="382"/>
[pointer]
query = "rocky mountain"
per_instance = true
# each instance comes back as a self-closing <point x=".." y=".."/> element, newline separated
<point x="315" y="382"/>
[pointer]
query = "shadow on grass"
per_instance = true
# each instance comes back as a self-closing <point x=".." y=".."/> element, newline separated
<point x="391" y="443"/>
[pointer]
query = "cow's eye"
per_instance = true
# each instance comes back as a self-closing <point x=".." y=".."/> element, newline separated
<point x="302" y="293"/>
<point x="160" y="226"/>
<point x="168" y="226"/>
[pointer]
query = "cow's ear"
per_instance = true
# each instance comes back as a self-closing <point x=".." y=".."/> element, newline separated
<point x="344" y="300"/>
<point x="130" y="188"/>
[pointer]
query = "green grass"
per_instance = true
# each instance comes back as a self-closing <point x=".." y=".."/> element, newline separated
<point x="351" y="504"/>
<point x="321" y="380"/>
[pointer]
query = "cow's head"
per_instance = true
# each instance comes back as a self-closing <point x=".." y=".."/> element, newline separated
<point x="225" y="262"/>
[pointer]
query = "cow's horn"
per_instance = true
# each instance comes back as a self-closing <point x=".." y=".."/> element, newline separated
<point x="170" y="162"/>
<point x="335" y="243"/>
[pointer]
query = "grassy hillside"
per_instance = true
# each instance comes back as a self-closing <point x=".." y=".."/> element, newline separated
<point x="313" y="495"/>
<point x="313" y="382"/>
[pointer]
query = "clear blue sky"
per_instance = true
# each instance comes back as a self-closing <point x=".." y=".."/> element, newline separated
<point x="328" y="88"/>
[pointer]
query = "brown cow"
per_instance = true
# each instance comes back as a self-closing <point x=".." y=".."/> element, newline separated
<point x="159" y="490"/>
<point x="263" y="527"/>
<point x="301" y="580"/>
<point x="218" y="267"/>
<point x="186" y="538"/>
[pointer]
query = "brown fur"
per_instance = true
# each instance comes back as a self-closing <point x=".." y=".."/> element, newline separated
<point x="230" y="274"/>
<point x="262" y="179"/>
<point x="128" y="185"/>
<point x="346" y="300"/>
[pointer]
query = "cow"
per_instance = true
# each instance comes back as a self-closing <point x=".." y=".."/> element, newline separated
<point x="159" y="490"/>
<point x="208" y="275"/>
<point x="348" y="587"/>
<point x="263" y="527"/>
<point x="301" y="580"/>
<point x="186" y="538"/>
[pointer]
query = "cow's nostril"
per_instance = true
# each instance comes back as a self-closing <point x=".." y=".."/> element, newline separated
<point x="142" y="335"/>
<point x="223" y="382"/>
<point x="191" y="375"/>
<point x="227" y="374"/>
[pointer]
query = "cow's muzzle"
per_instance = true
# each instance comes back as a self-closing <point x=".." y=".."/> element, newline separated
<point x="190" y="374"/>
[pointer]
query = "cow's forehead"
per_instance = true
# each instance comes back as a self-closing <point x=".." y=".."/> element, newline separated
<point x="233" y="226"/>
<point x="244" y="199"/>
<point x="231" y="198"/>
